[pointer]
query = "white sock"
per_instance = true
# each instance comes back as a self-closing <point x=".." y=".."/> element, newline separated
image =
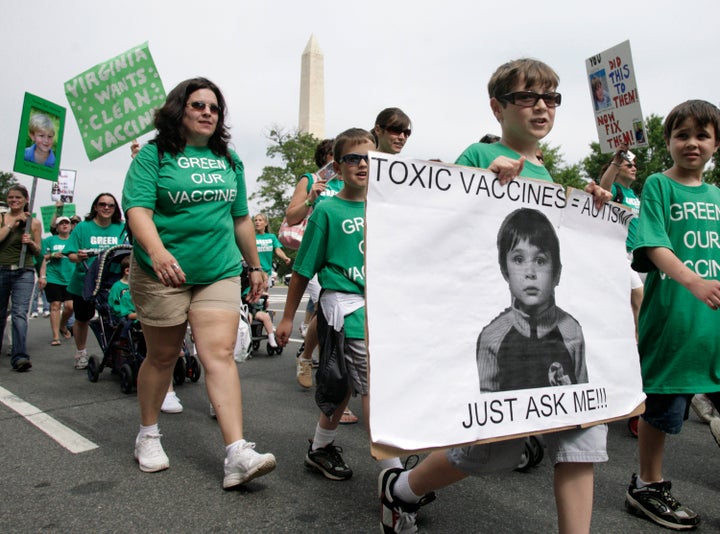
<point x="145" y="430"/>
<point x="322" y="437"/>
<point x="640" y="483"/>
<point x="271" y="340"/>
<point x="401" y="489"/>
<point x="229" y="449"/>
<point x="390" y="462"/>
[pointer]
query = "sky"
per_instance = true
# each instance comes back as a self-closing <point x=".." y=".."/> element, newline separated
<point x="432" y="59"/>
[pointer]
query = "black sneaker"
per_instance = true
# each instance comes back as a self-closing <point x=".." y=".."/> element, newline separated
<point x="328" y="461"/>
<point x="397" y="515"/>
<point x="22" y="365"/>
<point x="655" y="502"/>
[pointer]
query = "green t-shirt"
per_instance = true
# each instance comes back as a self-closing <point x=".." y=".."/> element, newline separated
<point x="481" y="155"/>
<point x="679" y="343"/>
<point x="334" y="247"/>
<point x="90" y="236"/>
<point x="194" y="196"/>
<point x="58" y="270"/>
<point x="266" y="245"/>
<point x="631" y="200"/>
<point x="120" y="300"/>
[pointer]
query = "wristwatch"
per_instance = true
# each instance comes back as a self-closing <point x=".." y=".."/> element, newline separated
<point x="253" y="269"/>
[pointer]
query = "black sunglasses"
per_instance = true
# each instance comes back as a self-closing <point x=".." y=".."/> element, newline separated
<point x="397" y="131"/>
<point x="354" y="159"/>
<point x="528" y="99"/>
<point x="199" y="105"/>
<point x="105" y="205"/>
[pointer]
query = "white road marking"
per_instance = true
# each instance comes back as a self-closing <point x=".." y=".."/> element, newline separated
<point x="66" y="437"/>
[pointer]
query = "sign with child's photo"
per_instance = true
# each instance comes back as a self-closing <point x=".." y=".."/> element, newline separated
<point x="114" y="102"/>
<point x="492" y="310"/>
<point x="39" y="143"/>
<point x="64" y="189"/>
<point x="615" y="99"/>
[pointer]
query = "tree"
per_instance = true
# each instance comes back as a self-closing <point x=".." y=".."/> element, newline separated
<point x="7" y="180"/>
<point x="296" y="151"/>
<point x="568" y="176"/>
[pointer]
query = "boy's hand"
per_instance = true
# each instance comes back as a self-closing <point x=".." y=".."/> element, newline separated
<point x="282" y="332"/>
<point x="707" y="292"/>
<point x="601" y="196"/>
<point x="506" y="168"/>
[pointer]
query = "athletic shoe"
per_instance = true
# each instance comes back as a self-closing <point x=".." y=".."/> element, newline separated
<point x="34" y="315"/>
<point x="46" y="314"/>
<point x="315" y="363"/>
<point x="703" y="408"/>
<point x="715" y="429"/>
<point x="328" y="461"/>
<point x="81" y="359"/>
<point x="397" y="515"/>
<point x="171" y="404"/>
<point x="655" y="502"/>
<point x="244" y="464"/>
<point x="303" y="330"/>
<point x="21" y="365"/>
<point x="304" y="373"/>
<point x="149" y="453"/>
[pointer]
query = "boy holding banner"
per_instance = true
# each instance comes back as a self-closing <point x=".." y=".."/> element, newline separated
<point x="523" y="99"/>
<point x="679" y="323"/>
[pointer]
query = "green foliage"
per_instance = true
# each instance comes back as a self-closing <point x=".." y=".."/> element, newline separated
<point x="7" y="180"/>
<point x="296" y="152"/>
<point x="568" y="176"/>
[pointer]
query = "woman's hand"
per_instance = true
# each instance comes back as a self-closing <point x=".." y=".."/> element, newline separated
<point x="258" y="285"/>
<point x="318" y="187"/>
<point x="167" y="269"/>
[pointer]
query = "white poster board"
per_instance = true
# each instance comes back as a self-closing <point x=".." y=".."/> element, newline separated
<point x="615" y="99"/>
<point x="64" y="188"/>
<point x="433" y="283"/>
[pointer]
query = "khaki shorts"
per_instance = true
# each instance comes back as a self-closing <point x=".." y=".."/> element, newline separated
<point x="159" y="305"/>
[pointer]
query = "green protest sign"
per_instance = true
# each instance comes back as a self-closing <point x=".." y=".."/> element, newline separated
<point x="114" y="102"/>
<point x="67" y="210"/>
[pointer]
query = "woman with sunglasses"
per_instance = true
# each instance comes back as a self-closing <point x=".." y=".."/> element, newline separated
<point x="102" y="228"/>
<point x="17" y="279"/>
<point x="186" y="205"/>
<point x="391" y="131"/>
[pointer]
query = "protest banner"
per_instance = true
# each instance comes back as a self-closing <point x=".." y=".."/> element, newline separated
<point x="64" y="188"/>
<point x="434" y="283"/>
<point x="39" y="143"/>
<point x="114" y="101"/>
<point x="47" y="212"/>
<point x="616" y="103"/>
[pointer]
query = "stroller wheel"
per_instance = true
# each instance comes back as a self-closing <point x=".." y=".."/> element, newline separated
<point x="532" y="455"/>
<point x="93" y="369"/>
<point x="127" y="379"/>
<point x="255" y="345"/>
<point x="179" y="373"/>
<point x="194" y="370"/>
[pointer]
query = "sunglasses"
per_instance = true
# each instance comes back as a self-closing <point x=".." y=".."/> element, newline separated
<point x="200" y="106"/>
<point x="354" y="159"/>
<point x="397" y="131"/>
<point x="630" y="165"/>
<point x="528" y="99"/>
<point x="105" y="205"/>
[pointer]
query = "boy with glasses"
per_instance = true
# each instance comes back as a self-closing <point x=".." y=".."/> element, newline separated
<point x="523" y="99"/>
<point x="333" y="247"/>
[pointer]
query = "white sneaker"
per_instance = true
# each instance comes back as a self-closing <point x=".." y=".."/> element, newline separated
<point x="81" y="359"/>
<point x="703" y="408"/>
<point x="150" y="455"/>
<point x="244" y="464"/>
<point x="33" y="315"/>
<point x="171" y="404"/>
<point x="303" y="329"/>
<point x="304" y="373"/>
<point x="46" y="314"/>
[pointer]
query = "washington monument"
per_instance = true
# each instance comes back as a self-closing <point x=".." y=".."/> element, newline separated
<point x="312" y="90"/>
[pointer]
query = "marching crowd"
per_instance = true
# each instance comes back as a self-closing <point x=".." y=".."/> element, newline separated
<point x="186" y="215"/>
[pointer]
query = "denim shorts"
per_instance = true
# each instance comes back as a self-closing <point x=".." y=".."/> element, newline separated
<point x="667" y="411"/>
<point x="575" y="445"/>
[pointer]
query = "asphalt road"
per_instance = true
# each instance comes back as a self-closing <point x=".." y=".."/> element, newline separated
<point x="47" y="488"/>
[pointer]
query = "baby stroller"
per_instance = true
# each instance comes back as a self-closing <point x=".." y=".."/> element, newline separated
<point x="256" y="327"/>
<point x="121" y="340"/>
